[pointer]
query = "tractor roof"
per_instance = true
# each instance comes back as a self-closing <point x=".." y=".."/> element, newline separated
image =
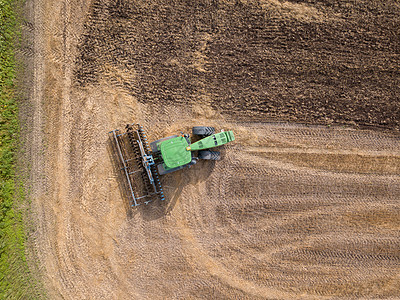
<point x="174" y="152"/>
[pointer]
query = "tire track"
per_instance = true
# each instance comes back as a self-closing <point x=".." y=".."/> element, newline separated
<point x="335" y="196"/>
<point x="257" y="224"/>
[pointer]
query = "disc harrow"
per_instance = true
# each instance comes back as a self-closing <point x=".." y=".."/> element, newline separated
<point x="141" y="180"/>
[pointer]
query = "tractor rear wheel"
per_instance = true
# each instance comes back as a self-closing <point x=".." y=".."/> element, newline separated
<point x="209" y="155"/>
<point x="203" y="130"/>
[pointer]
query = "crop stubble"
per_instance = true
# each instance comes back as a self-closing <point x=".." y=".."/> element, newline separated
<point x="291" y="210"/>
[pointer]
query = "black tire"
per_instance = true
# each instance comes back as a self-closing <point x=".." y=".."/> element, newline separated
<point x="153" y="145"/>
<point x="203" y="130"/>
<point x="209" y="155"/>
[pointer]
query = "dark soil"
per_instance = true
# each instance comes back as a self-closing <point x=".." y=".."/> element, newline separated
<point x="336" y="63"/>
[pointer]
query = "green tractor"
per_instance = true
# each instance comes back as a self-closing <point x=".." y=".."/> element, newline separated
<point x="142" y="163"/>
<point x="176" y="152"/>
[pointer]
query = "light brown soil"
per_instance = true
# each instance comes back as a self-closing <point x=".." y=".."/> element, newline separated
<point x="290" y="212"/>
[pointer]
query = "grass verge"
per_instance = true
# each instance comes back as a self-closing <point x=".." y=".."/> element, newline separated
<point x="15" y="277"/>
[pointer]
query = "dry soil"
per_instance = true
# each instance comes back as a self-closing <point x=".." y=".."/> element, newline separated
<point x="292" y="211"/>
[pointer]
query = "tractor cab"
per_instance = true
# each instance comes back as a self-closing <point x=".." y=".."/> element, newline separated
<point x="174" y="153"/>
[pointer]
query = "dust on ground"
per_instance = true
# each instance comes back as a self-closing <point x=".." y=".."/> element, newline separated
<point x="291" y="210"/>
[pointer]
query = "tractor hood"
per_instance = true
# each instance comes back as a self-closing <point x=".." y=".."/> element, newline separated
<point x="214" y="140"/>
<point x="174" y="152"/>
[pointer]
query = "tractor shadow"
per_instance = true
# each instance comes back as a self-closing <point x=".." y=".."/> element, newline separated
<point x="176" y="183"/>
<point x="173" y="186"/>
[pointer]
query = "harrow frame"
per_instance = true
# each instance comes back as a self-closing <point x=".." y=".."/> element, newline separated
<point x="137" y="165"/>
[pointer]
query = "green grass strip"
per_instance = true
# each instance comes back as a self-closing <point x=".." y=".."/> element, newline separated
<point x="15" y="278"/>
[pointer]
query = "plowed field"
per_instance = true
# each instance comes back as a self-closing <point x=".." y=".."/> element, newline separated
<point x="304" y="204"/>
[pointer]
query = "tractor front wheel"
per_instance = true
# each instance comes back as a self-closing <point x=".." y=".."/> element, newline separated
<point x="209" y="155"/>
